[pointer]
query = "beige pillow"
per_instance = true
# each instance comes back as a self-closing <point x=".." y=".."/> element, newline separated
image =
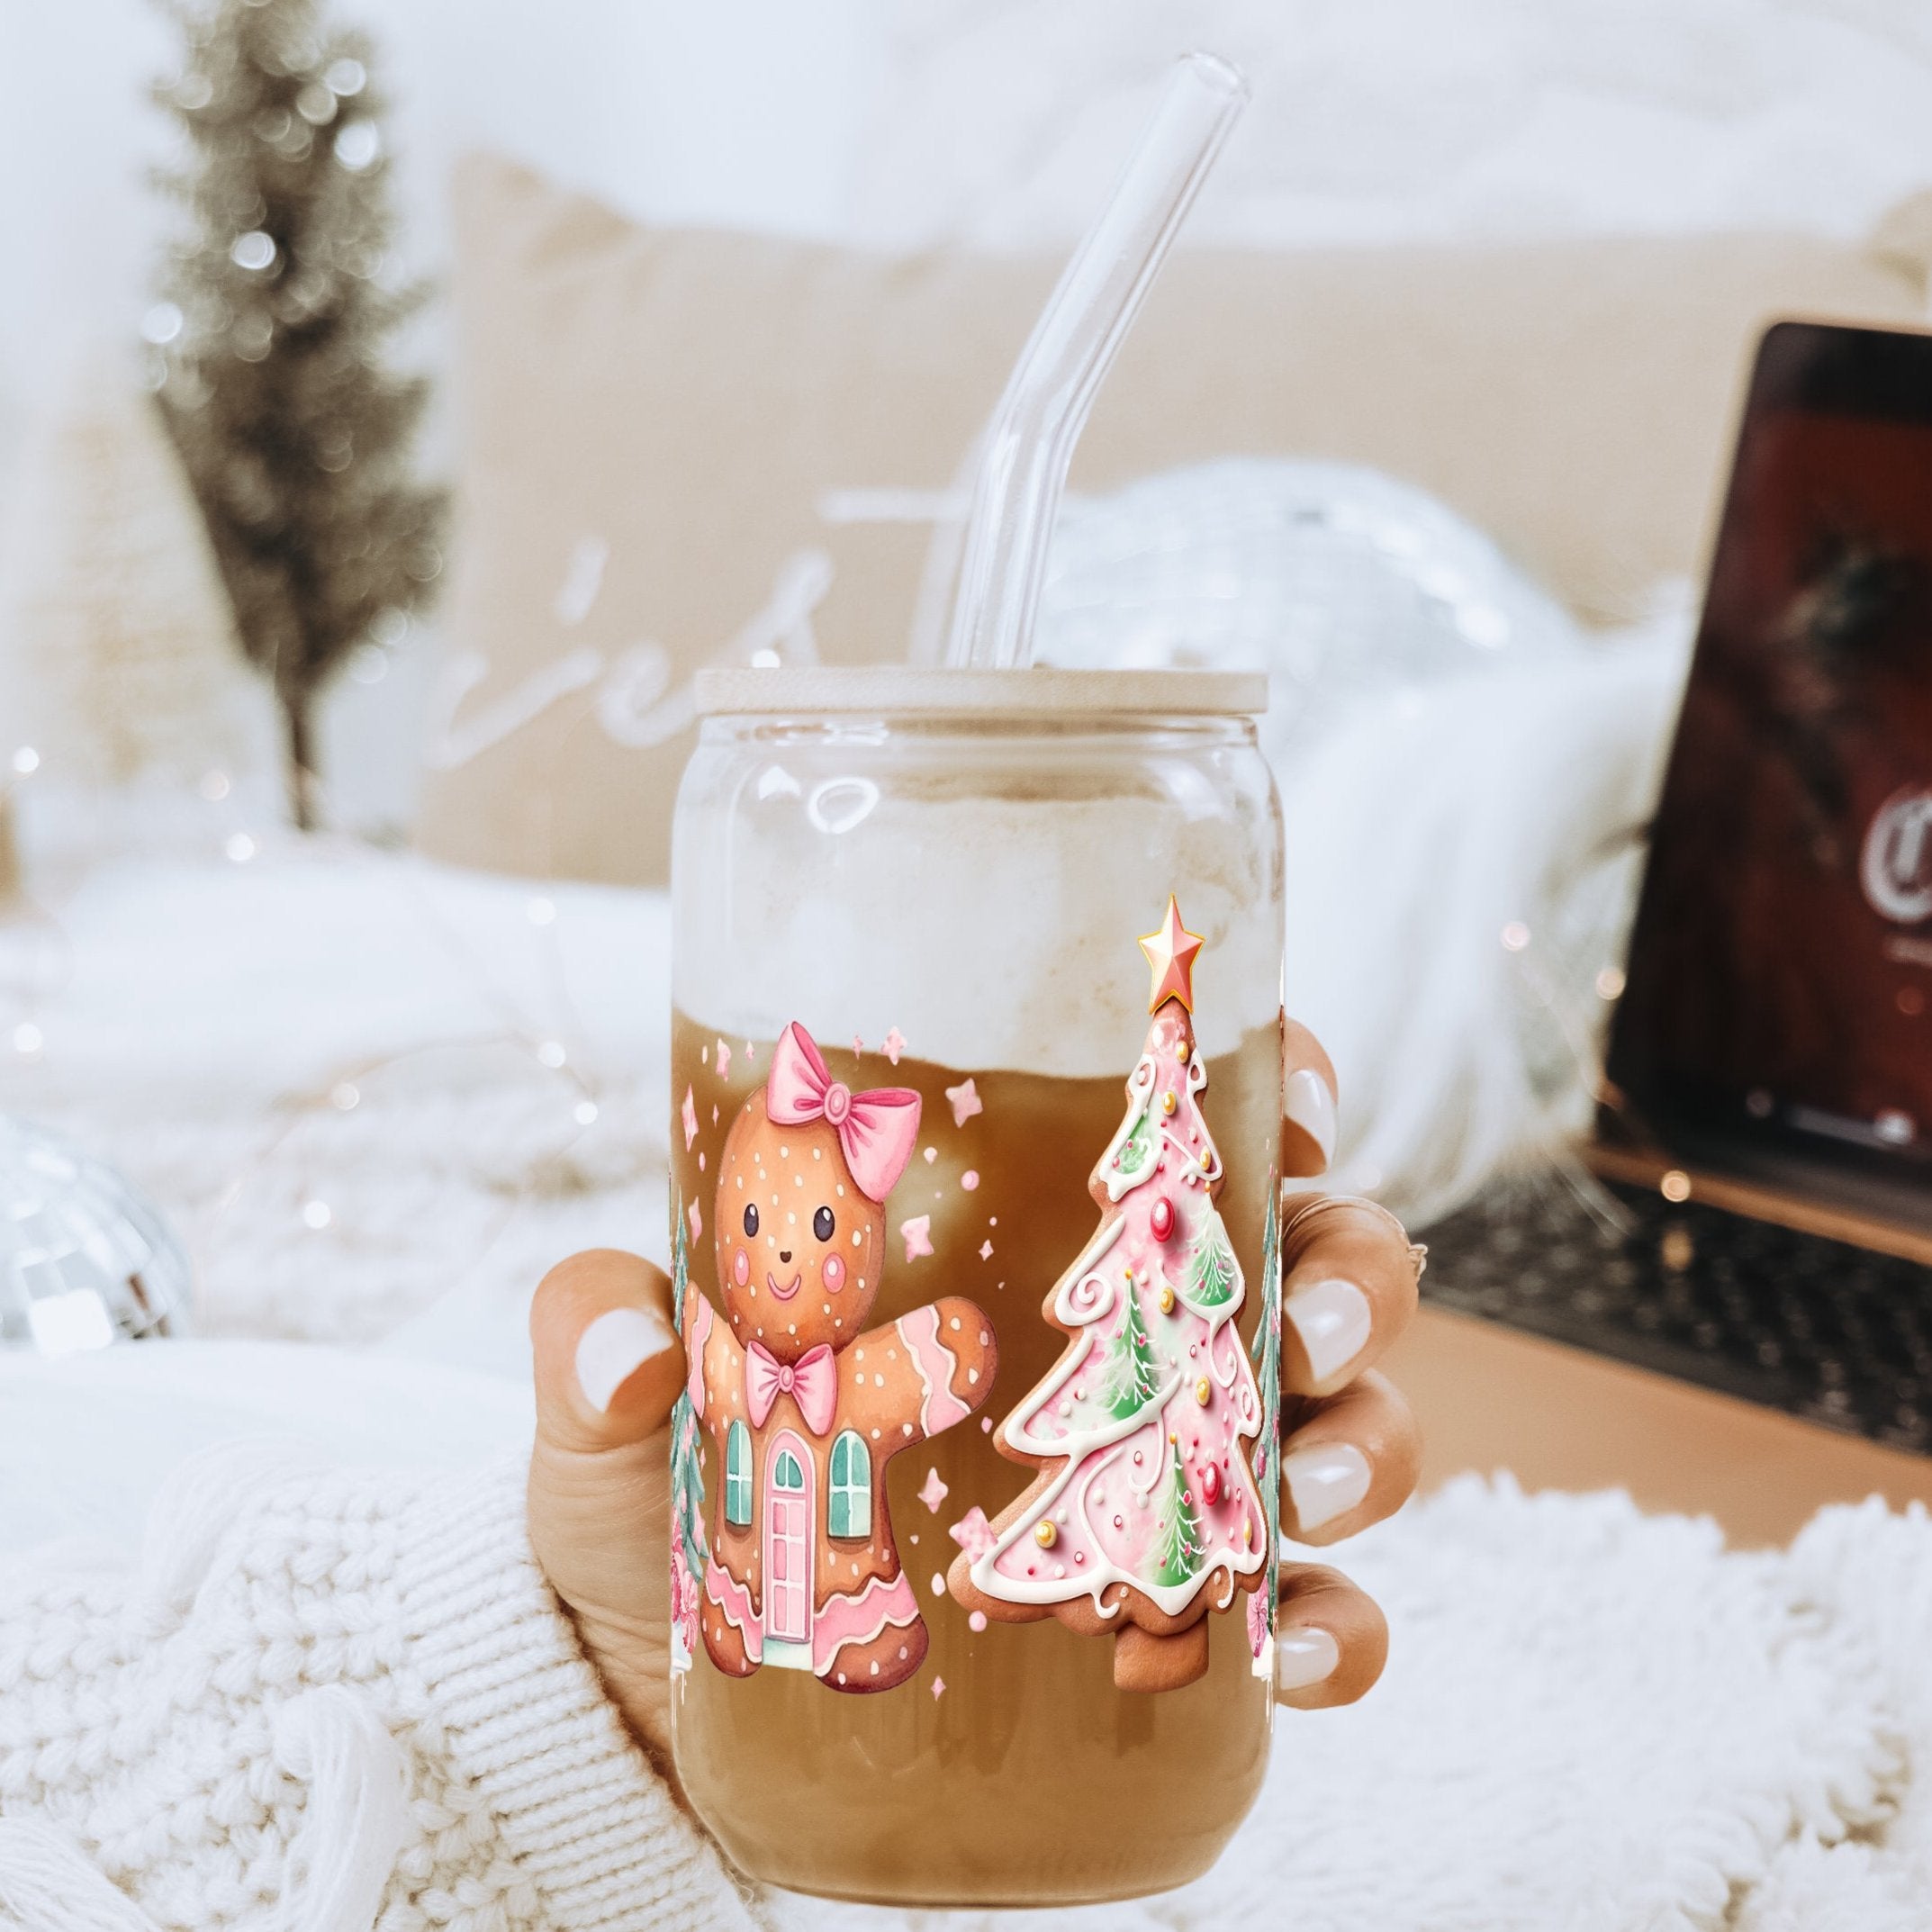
<point x="683" y="447"/>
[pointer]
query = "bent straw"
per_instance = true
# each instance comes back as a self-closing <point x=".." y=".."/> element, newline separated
<point x="1028" y="445"/>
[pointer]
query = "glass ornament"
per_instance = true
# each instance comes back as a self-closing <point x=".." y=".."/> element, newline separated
<point x="86" y="1262"/>
<point x="1341" y="583"/>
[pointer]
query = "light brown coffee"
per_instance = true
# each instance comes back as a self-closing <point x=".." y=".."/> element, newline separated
<point x="1009" y="1769"/>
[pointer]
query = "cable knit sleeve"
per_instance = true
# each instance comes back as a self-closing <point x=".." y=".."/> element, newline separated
<point x="344" y="1695"/>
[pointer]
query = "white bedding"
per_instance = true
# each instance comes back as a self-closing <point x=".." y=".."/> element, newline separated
<point x="206" y="1016"/>
<point x="198" y="1019"/>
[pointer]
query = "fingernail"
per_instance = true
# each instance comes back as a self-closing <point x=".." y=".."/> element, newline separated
<point x="614" y="1346"/>
<point x="1331" y="1317"/>
<point x="1303" y="1656"/>
<point x="1325" y="1480"/>
<point x="1310" y="1102"/>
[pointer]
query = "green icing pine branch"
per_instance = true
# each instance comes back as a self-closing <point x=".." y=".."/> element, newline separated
<point x="296" y="438"/>
<point x="1182" y="1547"/>
<point x="1133" y="1374"/>
<point x="1211" y="1269"/>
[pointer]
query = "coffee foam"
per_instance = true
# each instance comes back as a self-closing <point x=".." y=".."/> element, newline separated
<point x="991" y="932"/>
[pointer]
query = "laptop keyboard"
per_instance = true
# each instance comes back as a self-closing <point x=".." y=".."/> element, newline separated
<point x="1834" y="1333"/>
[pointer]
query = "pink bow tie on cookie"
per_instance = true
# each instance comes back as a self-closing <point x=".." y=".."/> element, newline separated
<point x="877" y="1130"/>
<point x="812" y="1379"/>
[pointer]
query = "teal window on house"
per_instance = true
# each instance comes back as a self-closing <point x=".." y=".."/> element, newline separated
<point x="851" y="1510"/>
<point x="738" y="1474"/>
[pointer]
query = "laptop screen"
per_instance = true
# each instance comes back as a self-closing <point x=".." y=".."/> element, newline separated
<point x="1779" y="986"/>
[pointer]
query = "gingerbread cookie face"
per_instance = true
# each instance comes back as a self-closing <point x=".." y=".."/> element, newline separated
<point x="799" y="1247"/>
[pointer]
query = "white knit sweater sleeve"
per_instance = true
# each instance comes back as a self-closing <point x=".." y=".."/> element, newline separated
<point x="327" y="1700"/>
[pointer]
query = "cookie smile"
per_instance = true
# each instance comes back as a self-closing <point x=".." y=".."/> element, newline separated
<point x="791" y="1288"/>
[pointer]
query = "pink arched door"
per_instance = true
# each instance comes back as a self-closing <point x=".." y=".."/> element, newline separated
<point x="789" y="1495"/>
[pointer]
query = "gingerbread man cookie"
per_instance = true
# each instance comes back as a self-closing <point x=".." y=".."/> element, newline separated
<point x="806" y="1406"/>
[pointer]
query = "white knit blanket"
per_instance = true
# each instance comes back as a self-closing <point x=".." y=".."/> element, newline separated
<point x="1591" y="1718"/>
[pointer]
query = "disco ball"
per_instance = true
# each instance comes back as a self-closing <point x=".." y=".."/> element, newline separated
<point x="84" y="1261"/>
<point x="1341" y="584"/>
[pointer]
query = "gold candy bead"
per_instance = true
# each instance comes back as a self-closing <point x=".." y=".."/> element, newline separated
<point x="1045" y="1535"/>
<point x="1168" y="1101"/>
<point x="1203" y="1389"/>
<point x="1167" y="1299"/>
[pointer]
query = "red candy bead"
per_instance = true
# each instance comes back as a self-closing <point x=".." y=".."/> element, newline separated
<point x="1161" y="1221"/>
<point x="1211" y="1484"/>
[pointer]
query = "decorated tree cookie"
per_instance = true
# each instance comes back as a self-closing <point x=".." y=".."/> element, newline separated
<point x="806" y="1406"/>
<point x="1145" y="1514"/>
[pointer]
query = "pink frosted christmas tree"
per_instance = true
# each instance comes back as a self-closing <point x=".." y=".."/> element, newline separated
<point x="1145" y="1514"/>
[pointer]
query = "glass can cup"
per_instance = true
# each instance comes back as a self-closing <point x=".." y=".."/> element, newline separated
<point x="976" y="1081"/>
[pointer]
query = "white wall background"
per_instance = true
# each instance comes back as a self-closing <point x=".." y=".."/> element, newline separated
<point x="913" y="120"/>
<point x="709" y="111"/>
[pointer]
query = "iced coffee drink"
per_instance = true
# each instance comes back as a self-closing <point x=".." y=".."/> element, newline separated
<point x="977" y="1081"/>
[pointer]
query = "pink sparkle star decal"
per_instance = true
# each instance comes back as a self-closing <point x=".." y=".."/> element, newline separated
<point x="918" y="1233"/>
<point x="895" y="1044"/>
<point x="986" y="1251"/>
<point x="724" y="1062"/>
<point x="973" y="1532"/>
<point x="965" y="1102"/>
<point x="939" y="1688"/>
<point x="690" y="1120"/>
<point x="933" y="1491"/>
<point x="696" y="1223"/>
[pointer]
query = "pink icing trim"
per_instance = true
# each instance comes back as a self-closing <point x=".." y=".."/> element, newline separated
<point x="700" y="1333"/>
<point x="939" y="1407"/>
<point x="858" y="1619"/>
<point x="735" y="1600"/>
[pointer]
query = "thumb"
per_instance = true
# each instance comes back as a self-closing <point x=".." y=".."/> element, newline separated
<point x="608" y="1363"/>
<point x="609" y="1366"/>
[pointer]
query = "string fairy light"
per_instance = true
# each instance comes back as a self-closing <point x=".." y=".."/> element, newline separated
<point x="344" y="1088"/>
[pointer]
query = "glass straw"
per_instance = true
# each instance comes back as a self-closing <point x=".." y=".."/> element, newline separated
<point x="1029" y="443"/>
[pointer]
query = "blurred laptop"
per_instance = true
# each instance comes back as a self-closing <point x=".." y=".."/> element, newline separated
<point x="1760" y="1216"/>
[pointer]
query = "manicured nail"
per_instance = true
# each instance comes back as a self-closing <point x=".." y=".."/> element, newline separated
<point x="1325" y="1480"/>
<point x="1309" y="1102"/>
<point x="614" y="1346"/>
<point x="1331" y="1317"/>
<point x="1303" y="1656"/>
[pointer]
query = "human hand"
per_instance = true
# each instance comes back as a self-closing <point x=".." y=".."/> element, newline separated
<point x="609" y="1366"/>
<point x="1351" y="1451"/>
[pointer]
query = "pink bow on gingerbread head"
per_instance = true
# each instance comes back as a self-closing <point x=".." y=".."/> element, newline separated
<point x="877" y="1130"/>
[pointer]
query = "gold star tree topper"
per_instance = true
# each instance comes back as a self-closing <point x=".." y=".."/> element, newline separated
<point x="1170" y="949"/>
